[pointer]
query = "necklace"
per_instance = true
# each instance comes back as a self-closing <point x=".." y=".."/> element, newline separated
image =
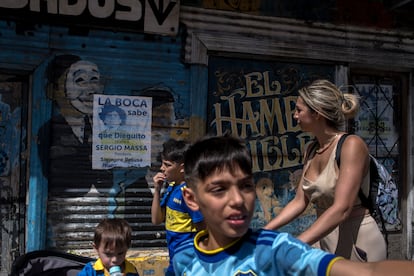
<point x="327" y="145"/>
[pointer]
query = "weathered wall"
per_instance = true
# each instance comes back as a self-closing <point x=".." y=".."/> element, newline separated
<point x="127" y="64"/>
<point x="216" y="52"/>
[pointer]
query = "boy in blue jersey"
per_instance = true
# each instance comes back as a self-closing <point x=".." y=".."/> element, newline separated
<point x="181" y="223"/>
<point x="111" y="241"/>
<point x="220" y="183"/>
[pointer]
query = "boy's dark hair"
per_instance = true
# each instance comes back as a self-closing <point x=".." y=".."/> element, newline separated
<point x="111" y="108"/>
<point x="113" y="232"/>
<point x="213" y="154"/>
<point x="174" y="150"/>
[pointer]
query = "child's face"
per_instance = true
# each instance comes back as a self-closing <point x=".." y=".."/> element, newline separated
<point x="173" y="171"/>
<point x="226" y="201"/>
<point x="112" y="119"/>
<point x="111" y="256"/>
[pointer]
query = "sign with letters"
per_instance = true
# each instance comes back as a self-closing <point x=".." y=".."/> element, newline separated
<point x="255" y="100"/>
<point x="157" y="15"/>
<point x="151" y="16"/>
<point x="121" y="131"/>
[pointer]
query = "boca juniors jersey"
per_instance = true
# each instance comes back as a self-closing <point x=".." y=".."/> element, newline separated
<point x="179" y="219"/>
<point x="261" y="252"/>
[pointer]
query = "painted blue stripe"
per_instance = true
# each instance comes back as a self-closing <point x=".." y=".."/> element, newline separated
<point x="38" y="184"/>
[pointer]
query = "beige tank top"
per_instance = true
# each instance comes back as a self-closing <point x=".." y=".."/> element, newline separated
<point x="321" y="192"/>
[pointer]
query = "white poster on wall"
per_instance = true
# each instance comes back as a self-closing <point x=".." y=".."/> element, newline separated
<point x="121" y="131"/>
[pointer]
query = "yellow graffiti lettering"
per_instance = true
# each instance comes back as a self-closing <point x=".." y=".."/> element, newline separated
<point x="258" y="85"/>
<point x="266" y="156"/>
<point x="263" y="119"/>
<point x="249" y="119"/>
<point x="268" y="116"/>
<point x="270" y="150"/>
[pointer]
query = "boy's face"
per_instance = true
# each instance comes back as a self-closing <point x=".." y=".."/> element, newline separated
<point x="226" y="201"/>
<point x="112" y="119"/>
<point x="173" y="171"/>
<point x="111" y="256"/>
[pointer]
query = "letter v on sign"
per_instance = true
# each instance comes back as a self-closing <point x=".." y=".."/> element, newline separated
<point x="162" y="16"/>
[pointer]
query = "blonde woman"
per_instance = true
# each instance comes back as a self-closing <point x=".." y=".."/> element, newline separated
<point x="343" y="226"/>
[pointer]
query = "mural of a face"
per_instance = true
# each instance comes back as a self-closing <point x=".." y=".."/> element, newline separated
<point x="82" y="81"/>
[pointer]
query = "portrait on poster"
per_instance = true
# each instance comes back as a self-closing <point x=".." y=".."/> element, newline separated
<point x="121" y="131"/>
